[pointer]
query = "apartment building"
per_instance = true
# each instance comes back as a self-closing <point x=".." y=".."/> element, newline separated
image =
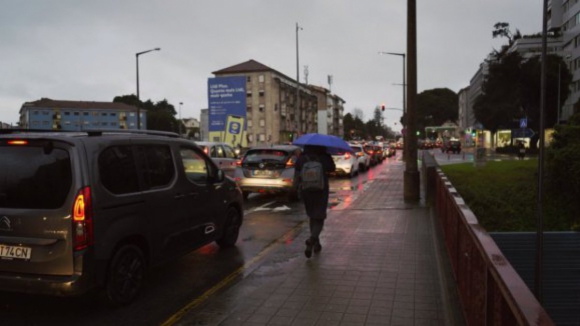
<point x="278" y="109"/>
<point x="564" y="16"/>
<point x="79" y="115"/>
<point x="330" y="111"/>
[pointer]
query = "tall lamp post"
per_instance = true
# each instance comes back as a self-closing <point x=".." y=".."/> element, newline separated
<point x="180" y="121"/>
<point x="404" y="98"/>
<point x="138" y="98"/>
<point x="297" y="104"/>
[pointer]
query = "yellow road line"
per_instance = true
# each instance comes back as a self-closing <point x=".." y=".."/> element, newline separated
<point x="228" y="279"/>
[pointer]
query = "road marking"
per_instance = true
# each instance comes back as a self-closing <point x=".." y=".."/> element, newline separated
<point x="228" y="279"/>
<point x="282" y="208"/>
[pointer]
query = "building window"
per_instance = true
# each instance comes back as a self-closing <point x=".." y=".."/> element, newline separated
<point x="95" y="114"/>
<point x="35" y="112"/>
<point x="95" y="123"/>
<point x="261" y="78"/>
<point x="85" y="123"/>
<point x="249" y="109"/>
<point x="261" y="137"/>
<point x="261" y="92"/>
<point x="103" y="123"/>
<point x="262" y="122"/>
<point x="45" y="112"/>
<point x="66" y="113"/>
<point x="67" y="122"/>
<point x="85" y="113"/>
<point x="249" y="123"/>
<point x="261" y="107"/>
<point x="249" y="94"/>
<point x="75" y="113"/>
<point x="249" y="79"/>
<point x="113" y="123"/>
<point x="132" y="114"/>
<point x="104" y="114"/>
<point x="113" y="114"/>
<point x="46" y="122"/>
<point x="35" y="122"/>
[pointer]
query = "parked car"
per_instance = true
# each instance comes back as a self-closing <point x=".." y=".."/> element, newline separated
<point x="346" y="164"/>
<point x="370" y="150"/>
<point x="269" y="169"/>
<point x="84" y="210"/>
<point x="378" y="152"/>
<point x="223" y="155"/>
<point x="453" y="146"/>
<point x="364" y="160"/>
<point x="390" y="149"/>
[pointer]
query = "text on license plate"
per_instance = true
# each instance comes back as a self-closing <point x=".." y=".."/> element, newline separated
<point x="261" y="172"/>
<point x="15" y="252"/>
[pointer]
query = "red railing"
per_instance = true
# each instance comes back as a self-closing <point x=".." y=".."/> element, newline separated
<point x="490" y="290"/>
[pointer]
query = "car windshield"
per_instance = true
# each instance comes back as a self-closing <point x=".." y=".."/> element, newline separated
<point x="356" y="149"/>
<point x="266" y="155"/>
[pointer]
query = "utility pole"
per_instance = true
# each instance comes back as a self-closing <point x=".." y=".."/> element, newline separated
<point x="411" y="175"/>
<point x="297" y="104"/>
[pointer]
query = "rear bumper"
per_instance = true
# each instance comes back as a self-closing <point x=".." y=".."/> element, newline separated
<point x="259" y="185"/>
<point x="80" y="282"/>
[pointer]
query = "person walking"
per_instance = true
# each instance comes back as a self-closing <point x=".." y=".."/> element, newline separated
<point x="315" y="200"/>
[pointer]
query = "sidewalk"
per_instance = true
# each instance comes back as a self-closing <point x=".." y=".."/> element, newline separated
<point x="378" y="266"/>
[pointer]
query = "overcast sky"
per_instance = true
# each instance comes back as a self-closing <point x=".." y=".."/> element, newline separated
<point x="85" y="50"/>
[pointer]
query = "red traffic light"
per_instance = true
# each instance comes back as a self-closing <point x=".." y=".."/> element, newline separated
<point x="382" y="107"/>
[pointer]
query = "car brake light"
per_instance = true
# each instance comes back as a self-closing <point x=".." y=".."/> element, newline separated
<point x="206" y="150"/>
<point x="239" y="163"/>
<point x="82" y="220"/>
<point x="289" y="163"/>
<point x="347" y="156"/>
<point x="17" y="142"/>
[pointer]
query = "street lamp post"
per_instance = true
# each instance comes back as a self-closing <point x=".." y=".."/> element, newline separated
<point x="180" y="121"/>
<point x="404" y="97"/>
<point x="297" y="104"/>
<point x="138" y="98"/>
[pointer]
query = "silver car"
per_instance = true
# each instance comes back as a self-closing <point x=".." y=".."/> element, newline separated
<point x="223" y="155"/>
<point x="269" y="169"/>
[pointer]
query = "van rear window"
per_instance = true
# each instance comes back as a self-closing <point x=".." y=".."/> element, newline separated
<point x="30" y="178"/>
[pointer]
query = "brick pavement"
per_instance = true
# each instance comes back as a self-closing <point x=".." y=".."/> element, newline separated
<point x="378" y="266"/>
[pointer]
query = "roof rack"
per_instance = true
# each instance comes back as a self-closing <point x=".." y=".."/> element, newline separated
<point x="92" y="132"/>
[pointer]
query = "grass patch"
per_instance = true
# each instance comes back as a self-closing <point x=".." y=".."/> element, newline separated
<point x="503" y="195"/>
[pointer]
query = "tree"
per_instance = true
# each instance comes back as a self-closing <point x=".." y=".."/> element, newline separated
<point x="160" y="115"/>
<point x="511" y="91"/>
<point x="435" y="107"/>
<point x="502" y="29"/>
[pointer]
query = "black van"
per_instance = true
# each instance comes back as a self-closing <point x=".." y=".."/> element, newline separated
<point x="80" y="210"/>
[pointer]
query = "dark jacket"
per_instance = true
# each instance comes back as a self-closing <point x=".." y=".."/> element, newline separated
<point x="316" y="202"/>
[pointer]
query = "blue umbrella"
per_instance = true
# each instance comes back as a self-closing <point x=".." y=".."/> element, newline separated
<point x="334" y="145"/>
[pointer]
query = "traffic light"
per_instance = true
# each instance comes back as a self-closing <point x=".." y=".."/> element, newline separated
<point x="382" y="107"/>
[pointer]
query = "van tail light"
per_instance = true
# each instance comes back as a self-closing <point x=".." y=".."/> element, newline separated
<point x="347" y="156"/>
<point x="82" y="220"/>
<point x="17" y="142"/>
<point x="289" y="163"/>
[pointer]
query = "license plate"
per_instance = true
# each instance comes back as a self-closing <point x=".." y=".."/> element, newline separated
<point x="17" y="252"/>
<point x="261" y="172"/>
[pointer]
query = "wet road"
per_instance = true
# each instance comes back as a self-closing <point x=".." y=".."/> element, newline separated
<point x="188" y="281"/>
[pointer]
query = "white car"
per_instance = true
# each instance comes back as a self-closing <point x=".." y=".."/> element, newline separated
<point x="222" y="154"/>
<point x="346" y="164"/>
<point x="364" y="159"/>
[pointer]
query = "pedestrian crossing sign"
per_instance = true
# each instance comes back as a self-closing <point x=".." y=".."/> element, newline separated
<point x="523" y="123"/>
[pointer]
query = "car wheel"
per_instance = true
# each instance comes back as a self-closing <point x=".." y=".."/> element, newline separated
<point x="231" y="229"/>
<point x="125" y="275"/>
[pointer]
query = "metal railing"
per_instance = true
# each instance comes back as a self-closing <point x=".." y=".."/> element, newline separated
<point x="490" y="290"/>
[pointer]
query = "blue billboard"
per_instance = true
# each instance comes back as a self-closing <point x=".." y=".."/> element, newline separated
<point x="227" y="109"/>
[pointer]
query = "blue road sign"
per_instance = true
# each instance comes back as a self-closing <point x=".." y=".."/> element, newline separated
<point x="523" y="122"/>
<point x="523" y="133"/>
